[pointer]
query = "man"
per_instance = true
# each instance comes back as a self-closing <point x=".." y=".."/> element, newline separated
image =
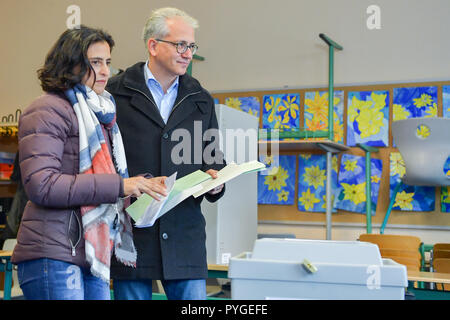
<point x="155" y="100"/>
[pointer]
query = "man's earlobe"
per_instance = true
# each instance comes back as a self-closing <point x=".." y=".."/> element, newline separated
<point x="151" y="44"/>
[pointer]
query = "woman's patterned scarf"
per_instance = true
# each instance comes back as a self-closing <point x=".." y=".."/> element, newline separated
<point x="105" y="226"/>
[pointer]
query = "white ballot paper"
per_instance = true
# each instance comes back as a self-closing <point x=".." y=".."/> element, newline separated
<point x="153" y="210"/>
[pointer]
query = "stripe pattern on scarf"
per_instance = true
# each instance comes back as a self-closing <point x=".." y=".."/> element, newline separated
<point x="105" y="226"/>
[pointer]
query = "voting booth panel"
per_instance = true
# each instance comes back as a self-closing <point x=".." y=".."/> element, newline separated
<point x="277" y="269"/>
<point x="231" y="222"/>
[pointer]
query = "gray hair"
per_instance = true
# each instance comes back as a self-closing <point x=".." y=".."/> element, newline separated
<point x="156" y="26"/>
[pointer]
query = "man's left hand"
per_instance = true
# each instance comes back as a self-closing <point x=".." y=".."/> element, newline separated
<point x="218" y="189"/>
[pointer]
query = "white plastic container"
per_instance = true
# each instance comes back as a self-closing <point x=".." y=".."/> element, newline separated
<point x="345" y="270"/>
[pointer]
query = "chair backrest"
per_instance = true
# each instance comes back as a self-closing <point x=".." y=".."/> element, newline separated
<point x="411" y="254"/>
<point x="393" y="241"/>
<point x="410" y="263"/>
<point x="424" y="155"/>
<point x="402" y="249"/>
<point x="441" y="254"/>
<point x="441" y="246"/>
<point x="442" y="265"/>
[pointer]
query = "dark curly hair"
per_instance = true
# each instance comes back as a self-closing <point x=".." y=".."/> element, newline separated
<point x="66" y="63"/>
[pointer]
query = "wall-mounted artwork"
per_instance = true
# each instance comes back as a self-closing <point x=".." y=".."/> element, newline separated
<point x="352" y="183"/>
<point x="277" y="185"/>
<point x="312" y="179"/>
<point x="368" y="118"/>
<point x="281" y="111"/>
<point x="445" y="199"/>
<point x="316" y="113"/>
<point x="249" y="105"/>
<point x="446" y="114"/>
<point x="414" y="102"/>
<point x="409" y="198"/>
<point x="446" y="101"/>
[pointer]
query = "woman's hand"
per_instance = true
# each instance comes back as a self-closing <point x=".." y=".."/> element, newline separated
<point x="136" y="186"/>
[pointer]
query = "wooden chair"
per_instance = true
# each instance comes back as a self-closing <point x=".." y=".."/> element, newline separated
<point x="441" y="246"/>
<point x="440" y="250"/>
<point x="441" y="254"/>
<point x="402" y="249"/>
<point x="411" y="254"/>
<point x="411" y="264"/>
<point x="391" y="241"/>
<point x="442" y="265"/>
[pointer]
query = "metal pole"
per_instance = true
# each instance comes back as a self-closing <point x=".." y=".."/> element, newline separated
<point x="368" y="194"/>
<point x="332" y="45"/>
<point x="330" y="94"/>
<point x="368" y="149"/>
<point x="329" y="196"/>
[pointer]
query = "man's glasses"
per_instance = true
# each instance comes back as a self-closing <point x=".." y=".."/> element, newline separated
<point x="182" y="46"/>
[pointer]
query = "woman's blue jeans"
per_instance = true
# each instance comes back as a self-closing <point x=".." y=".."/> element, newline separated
<point x="48" y="279"/>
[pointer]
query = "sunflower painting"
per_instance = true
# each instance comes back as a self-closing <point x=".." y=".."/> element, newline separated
<point x="250" y="105"/>
<point x="352" y="183"/>
<point x="281" y="111"/>
<point x="445" y="199"/>
<point x="409" y="198"/>
<point x="312" y="180"/>
<point x="368" y="118"/>
<point x="414" y="102"/>
<point x="316" y="113"/>
<point x="277" y="184"/>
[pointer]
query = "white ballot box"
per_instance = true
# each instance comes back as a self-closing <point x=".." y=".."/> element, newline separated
<point x="315" y="269"/>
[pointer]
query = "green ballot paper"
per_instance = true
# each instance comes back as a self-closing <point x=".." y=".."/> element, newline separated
<point x="146" y="210"/>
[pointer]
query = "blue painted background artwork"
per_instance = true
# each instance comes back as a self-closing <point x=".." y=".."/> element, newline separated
<point x="414" y="102"/>
<point x="249" y="105"/>
<point x="368" y="118"/>
<point x="281" y="111"/>
<point x="277" y="184"/>
<point x="312" y="176"/>
<point x="352" y="183"/>
<point x="409" y="198"/>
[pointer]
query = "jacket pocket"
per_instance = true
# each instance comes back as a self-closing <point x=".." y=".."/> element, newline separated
<point x="74" y="231"/>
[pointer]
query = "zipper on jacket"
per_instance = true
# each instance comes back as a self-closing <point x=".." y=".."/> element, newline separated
<point x="73" y="213"/>
<point x="179" y="102"/>
<point x="143" y="93"/>
<point x="173" y="108"/>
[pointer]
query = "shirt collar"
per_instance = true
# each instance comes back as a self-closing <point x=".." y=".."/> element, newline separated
<point x="149" y="77"/>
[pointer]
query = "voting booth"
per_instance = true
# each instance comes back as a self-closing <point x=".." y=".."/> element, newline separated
<point x="232" y="221"/>
<point x="315" y="269"/>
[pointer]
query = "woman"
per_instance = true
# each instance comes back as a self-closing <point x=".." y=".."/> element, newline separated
<point x="75" y="174"/>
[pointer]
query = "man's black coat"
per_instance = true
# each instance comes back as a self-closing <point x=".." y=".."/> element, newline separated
<point x="173" y="248"/>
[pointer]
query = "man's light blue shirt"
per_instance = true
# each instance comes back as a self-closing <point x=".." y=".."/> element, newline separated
<point x="164" y="102"/>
